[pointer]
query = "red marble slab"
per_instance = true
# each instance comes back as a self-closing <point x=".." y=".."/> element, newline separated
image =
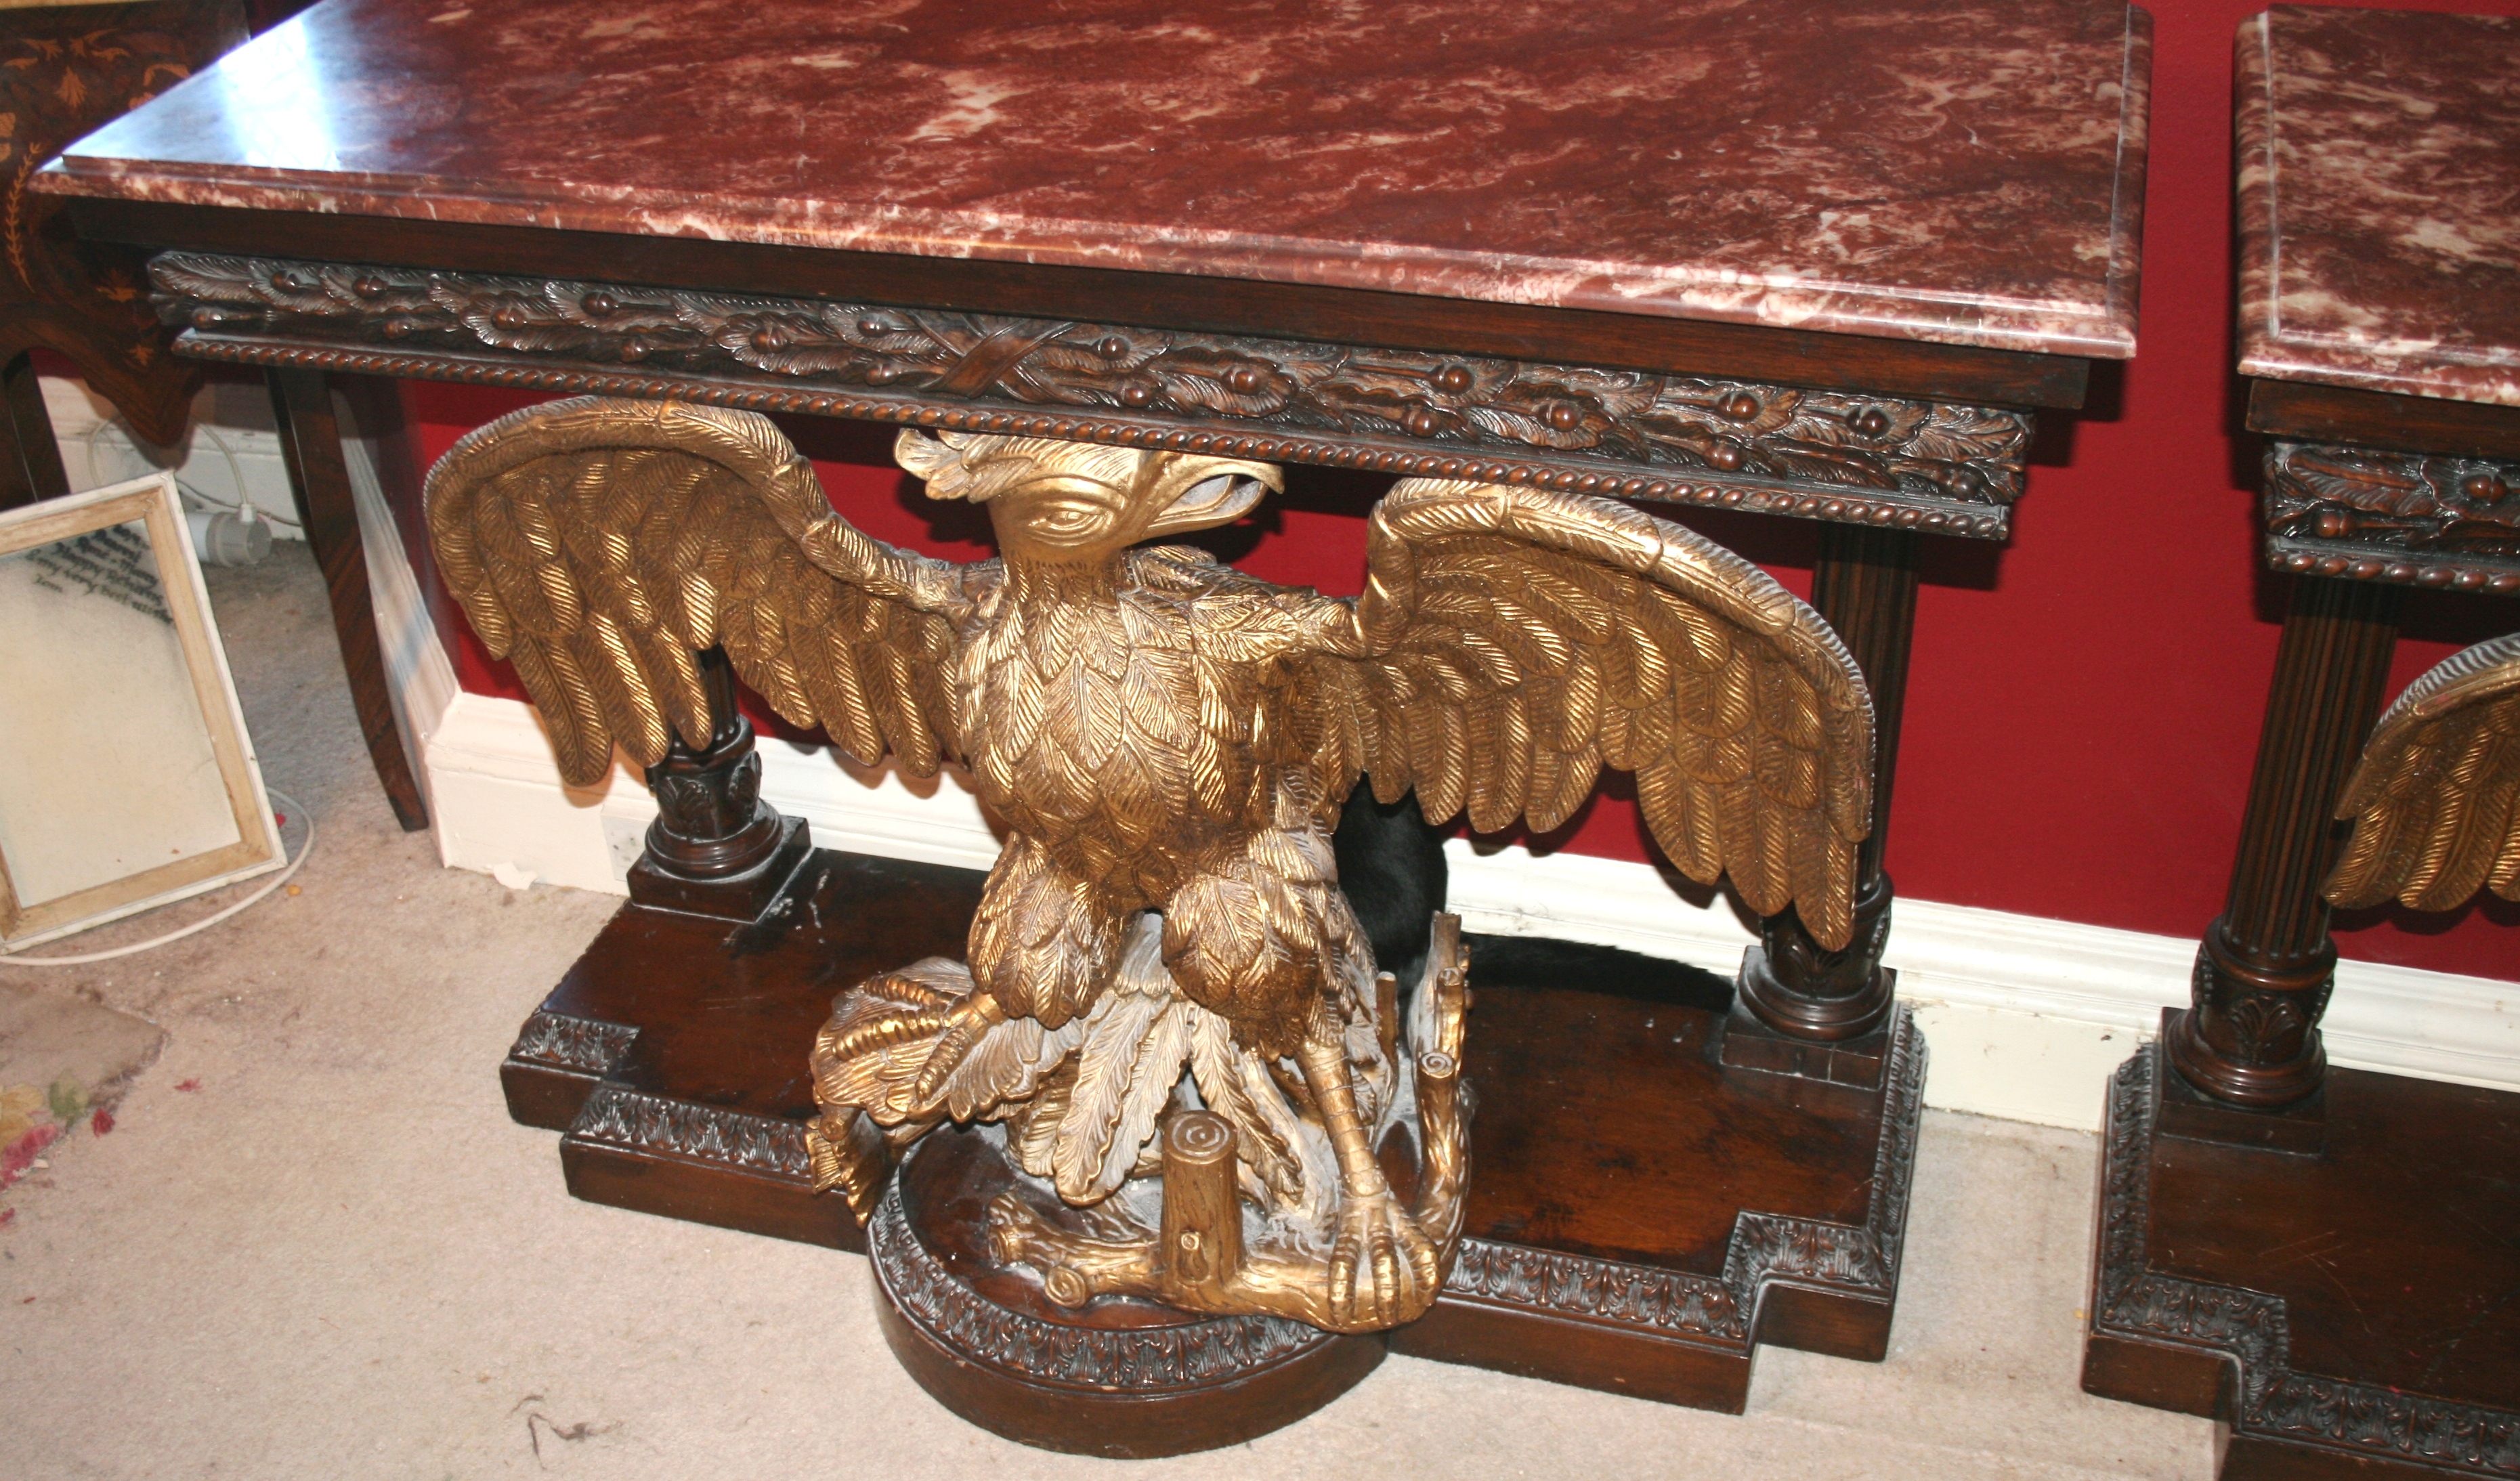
<point x="1966" y="173"/>
<point x="2379" y="196"/>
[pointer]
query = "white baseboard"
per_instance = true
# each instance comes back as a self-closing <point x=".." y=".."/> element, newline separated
<point x="2026" y="1016"/>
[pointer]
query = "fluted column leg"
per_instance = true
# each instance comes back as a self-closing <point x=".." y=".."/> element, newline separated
<point x="2250" y="1037"/>
<point x="1792" y="991"/>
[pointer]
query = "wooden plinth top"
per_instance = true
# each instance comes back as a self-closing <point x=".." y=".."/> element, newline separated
<point x="2379" y="198"/>
<point x="1891" y="168"/>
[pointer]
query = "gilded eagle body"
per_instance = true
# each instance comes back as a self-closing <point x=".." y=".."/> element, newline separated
<point x="1166" y="743"/>
<point x="1131" y="725"/>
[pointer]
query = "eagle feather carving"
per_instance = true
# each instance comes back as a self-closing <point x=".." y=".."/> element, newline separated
<point x="1167" y="742"/>
<point x="2436" y="798"/>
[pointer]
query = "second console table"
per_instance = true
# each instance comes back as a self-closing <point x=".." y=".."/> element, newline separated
<point x="2323" y="1259"/>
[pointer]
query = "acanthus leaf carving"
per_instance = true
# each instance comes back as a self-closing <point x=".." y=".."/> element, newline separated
<point x="2408" y="518"/>
<point x="618" y="1116"/>
<point x="1834" y="454"/>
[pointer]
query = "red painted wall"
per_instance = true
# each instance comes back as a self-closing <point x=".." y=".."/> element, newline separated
<point x="2083" y="703"/>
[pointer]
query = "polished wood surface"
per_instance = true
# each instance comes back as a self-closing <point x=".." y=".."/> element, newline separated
<point x="2352" y="1313"/>
<point x="1639" y="1210"/>
<point x="30" y="460"/>
<point x="64" y="71"/>
<point x="709" y="1030"/>
<point x="1688" y="1212"/>
<point x="2311" y="413"/>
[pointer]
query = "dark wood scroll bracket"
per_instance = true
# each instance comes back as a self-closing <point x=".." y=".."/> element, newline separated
<point x="1802" y="1008"/>
<point x="310" y="445"/>
<point x="2250" y="1035"/>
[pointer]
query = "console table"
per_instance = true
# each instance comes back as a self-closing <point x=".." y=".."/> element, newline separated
<point x="2321" y="1259"/>
<point x="1783" y="257"/>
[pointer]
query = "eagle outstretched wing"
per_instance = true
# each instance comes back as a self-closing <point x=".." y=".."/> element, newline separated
<point x="2436" y="798"/>
<point x="597" y="544"/>
<point x="1512" y="642"/>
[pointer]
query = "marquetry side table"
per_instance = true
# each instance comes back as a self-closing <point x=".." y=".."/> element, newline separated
<point x="65" y="68"/>
<point x="2323" y="1259"/>
<point x="1532" y="269"/>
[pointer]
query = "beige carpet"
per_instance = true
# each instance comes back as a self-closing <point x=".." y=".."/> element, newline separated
<point x="314" y="1245"/>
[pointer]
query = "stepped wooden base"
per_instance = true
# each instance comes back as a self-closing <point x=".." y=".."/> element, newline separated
<point x="1642" y="1217"/>
<point x="2349" y="1312"/>
<point x="672" y="1056"/>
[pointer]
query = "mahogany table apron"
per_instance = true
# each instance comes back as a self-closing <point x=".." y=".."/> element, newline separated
<point x="1814" y="1071"/>
<point x="2322" y="1260"/>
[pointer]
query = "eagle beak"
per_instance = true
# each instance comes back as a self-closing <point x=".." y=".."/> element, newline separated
<point x="1212" y="491"/>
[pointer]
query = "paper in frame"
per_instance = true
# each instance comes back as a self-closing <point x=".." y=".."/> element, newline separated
<point x="127" y="780"/>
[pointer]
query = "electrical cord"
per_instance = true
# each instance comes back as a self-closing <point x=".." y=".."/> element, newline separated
<point x="243" y="508"/>
<point x="7" y="958"/>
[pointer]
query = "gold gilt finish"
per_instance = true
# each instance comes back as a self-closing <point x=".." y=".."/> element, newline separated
<point x="2436" y="798"/>
<point x="1162" y="956"/>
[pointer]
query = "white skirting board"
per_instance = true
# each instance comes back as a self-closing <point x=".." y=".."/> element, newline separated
<point x="2026" y="1018"/>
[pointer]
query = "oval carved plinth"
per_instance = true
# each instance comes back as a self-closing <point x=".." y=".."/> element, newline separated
<point x="1120" y="1377"/>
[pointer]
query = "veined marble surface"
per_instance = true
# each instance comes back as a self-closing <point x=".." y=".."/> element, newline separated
<point x="2379" y="180"/>
<point x="1965" y="172"/>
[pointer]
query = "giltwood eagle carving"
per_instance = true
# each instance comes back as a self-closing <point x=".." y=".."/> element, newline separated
<point x="2436" y="798"/>
<point x="1167" y="742"/>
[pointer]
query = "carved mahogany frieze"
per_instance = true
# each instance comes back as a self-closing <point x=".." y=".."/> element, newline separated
<point x="2408" y="518"/>
<point x="1821" y="454"/>
<point x="2351" y="1420"/>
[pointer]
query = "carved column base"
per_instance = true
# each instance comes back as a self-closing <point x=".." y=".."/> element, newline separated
<point x="782" y="844"/>
<point x="2338" y="1316"/>
<point x="1750" y="1042"/>
<point x="2252" y="1039"/>
<point x="2186" y="1111"/>
<point x="1799" y="1009"/>
<point x="716" y="848"/>
<point x="1123" y="1377"/>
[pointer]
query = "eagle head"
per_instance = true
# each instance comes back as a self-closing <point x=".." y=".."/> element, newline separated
<point x="1068" y="503"/>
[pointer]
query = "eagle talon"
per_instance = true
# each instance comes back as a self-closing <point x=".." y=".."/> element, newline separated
<point x="1383" y="1268"/>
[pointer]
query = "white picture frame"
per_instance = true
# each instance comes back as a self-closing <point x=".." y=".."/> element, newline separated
<point x="127" y="779"/>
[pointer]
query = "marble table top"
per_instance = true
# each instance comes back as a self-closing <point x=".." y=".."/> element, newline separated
<point x="1964" y="173"/>
<point x="2379" y="196"/>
